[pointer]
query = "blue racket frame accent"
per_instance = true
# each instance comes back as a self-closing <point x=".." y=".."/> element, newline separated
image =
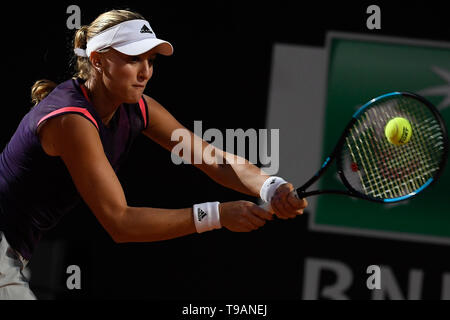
<point x="356" y="114"/>
<point x="326" y="162"/>
<point x="323" y="166"/>
<point x="411" y="194"/>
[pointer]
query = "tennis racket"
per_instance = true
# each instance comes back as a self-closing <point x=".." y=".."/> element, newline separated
<point x="372" y="168"/>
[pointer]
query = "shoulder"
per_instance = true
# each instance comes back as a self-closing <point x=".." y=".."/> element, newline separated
<point x="150" y="101"/>
<point x="65" y="131"/>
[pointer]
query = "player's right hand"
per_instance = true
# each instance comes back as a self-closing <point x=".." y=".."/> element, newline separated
<point x="242" y="216"/>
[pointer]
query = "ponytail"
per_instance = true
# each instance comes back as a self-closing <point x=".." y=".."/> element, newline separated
<point x="83" y="66"/>
<point x="41" y="89"/>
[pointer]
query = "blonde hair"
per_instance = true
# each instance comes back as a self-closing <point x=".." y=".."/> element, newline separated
<point x="42" y="88"/>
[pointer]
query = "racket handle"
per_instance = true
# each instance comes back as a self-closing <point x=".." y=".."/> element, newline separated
<point x="266" y="206"/>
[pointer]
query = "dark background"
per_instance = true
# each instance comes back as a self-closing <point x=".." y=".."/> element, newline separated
<point x="220" y="74"/>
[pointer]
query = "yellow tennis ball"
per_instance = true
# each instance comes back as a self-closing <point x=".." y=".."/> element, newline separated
<point x="398" y="131"/>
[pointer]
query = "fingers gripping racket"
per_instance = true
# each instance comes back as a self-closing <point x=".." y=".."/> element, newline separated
<point x="373" y="167"/>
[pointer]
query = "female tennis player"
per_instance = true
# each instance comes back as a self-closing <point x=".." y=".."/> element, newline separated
<point x="68" y="147"/>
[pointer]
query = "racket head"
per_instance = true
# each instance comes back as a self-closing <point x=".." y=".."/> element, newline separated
<point x="374" y="169"/>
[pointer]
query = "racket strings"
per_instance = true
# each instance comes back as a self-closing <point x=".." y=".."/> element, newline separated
<point x="373" y="177"/>
<point x="413" y="171"/>
<point x="382" y="170"/>
<point x="422" y="162"/>
<point x="367" y="159"/>
<point x="412" y="179"/>
<point x="354" y="161"/>
<point x="378" y="181"/>
<point x="393" y="186"/>
<point x="426" y="151"/>
<point x="400" y="163"/>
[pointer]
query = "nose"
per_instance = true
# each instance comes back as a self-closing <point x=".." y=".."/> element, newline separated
<point x="145" y="71"/>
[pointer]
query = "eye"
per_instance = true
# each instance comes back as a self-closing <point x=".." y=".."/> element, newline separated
<point x="135" y="58"/>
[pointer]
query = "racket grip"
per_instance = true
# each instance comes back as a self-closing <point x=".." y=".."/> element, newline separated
<point x="266" y="206"/>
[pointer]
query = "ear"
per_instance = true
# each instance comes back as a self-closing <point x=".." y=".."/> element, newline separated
<point x="96" y="61"/>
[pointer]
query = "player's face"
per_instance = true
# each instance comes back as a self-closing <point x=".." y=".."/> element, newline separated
<point x="125" y="76"/>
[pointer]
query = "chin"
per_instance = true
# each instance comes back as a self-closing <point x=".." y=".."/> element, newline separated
<point x="133" y="99"/>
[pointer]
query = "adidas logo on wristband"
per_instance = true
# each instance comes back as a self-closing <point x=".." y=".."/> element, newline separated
<point x="201" y="214"/>
<point x="206" y="216"/>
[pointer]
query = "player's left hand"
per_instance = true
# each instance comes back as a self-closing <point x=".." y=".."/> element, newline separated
<point x="285" y="202"/>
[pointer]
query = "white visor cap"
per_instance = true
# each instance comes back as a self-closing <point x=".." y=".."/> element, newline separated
<point x="132" y="37"/>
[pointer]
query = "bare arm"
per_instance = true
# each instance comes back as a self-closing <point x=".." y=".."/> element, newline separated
<point x="76" y="141"/>
<point x="229" y="170"/>
<point x="78" y="144"/>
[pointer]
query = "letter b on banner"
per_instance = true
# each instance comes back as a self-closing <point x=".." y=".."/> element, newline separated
<point x="312" y="279"/>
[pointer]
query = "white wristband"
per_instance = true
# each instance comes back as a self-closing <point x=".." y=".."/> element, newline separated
<point x="206" y="216"/>
<point x="269" y="187"/>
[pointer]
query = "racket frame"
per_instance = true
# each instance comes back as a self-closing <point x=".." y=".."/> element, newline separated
<point x="302" y="193"/>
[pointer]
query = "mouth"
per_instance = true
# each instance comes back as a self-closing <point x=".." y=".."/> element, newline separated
<point x="141" y="86"/>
